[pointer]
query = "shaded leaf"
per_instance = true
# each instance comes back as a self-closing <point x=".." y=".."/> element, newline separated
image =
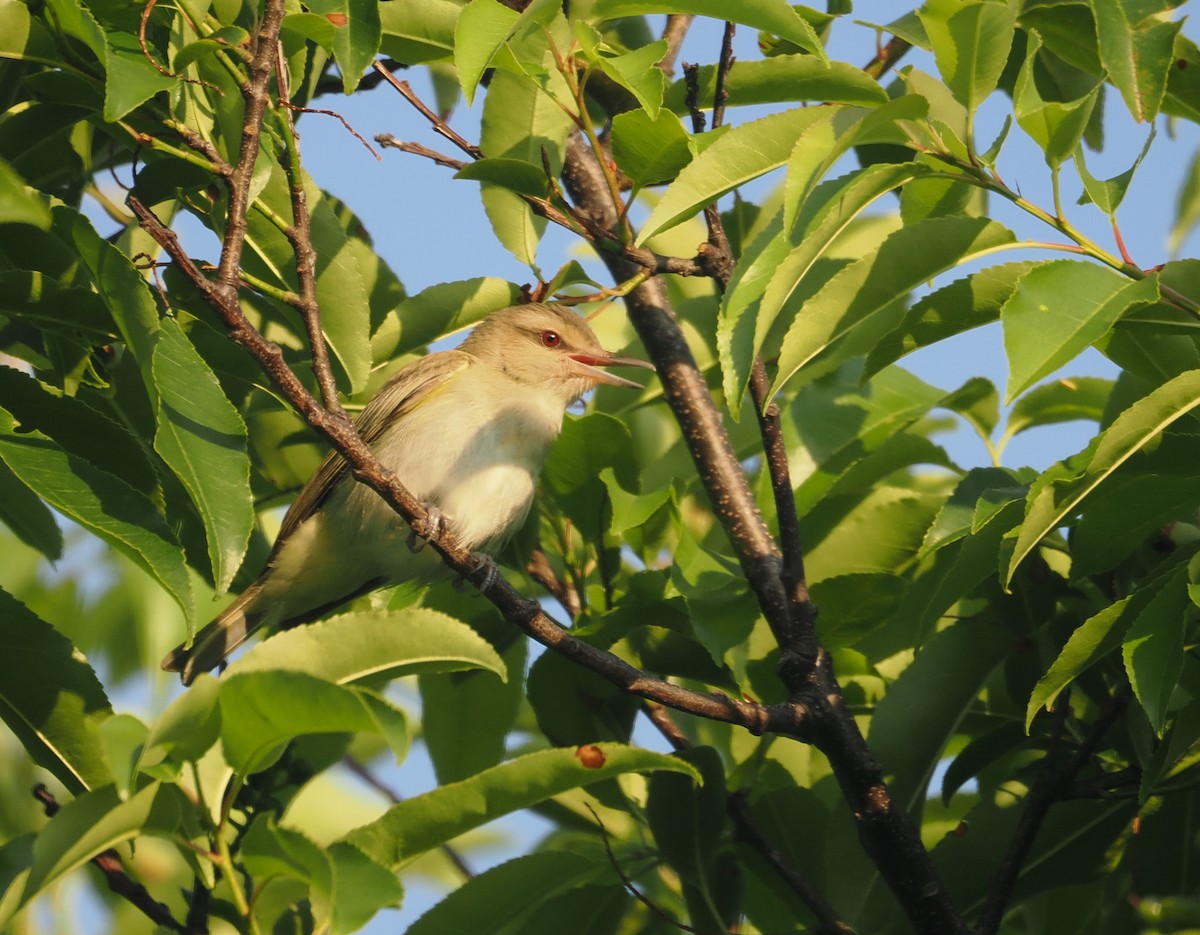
<point x="203" y="439"/>
<point x="100" y="502"/>
<point x="1059" y="492"/>
<point x="51" y="699"/>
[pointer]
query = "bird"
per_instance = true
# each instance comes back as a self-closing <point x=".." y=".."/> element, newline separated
<point x="465" y="430"/>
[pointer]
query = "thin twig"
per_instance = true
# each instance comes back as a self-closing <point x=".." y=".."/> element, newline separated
<point x="633" y="891"/>
<point x="887" y="57"/>
<point x="336" y="116"/>
<point x="804" y="612"/>
<point x="255" y="94"/>
<point x="439" y="125"/>
<point x="752" y="833"/>
<point x="299" y="234"/>
<point x="115" y="875"/>
<point x="674" y="33"/>
<point x="541" y="571"/>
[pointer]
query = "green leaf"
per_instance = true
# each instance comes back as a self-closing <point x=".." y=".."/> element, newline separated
<point x="1058" y="310"/>
<point x="773" y="16"/>
<point x="24" y="513"/>
<point x="1068" y="852"/>
<point x="51" y="699"/>
<point x="638" y="73"/>
<point x="520" y="121"/>
<point x="93" y="823"/>
<point x="980" y="753"/>
<point x="78" y="429"/>
<point x="854" y="605"/>
<point x="586" y="446"/>
<point x="341" y="292"/>
<point x="366" y="644"/>
<point x="130" y="79"/>
<point x="23" y="37"/>
<point x="1136" y="46"/>
<point x="1091" y="641"/>
<point x="99" y="502"/>
<point x="826" y="215"/>
<point x="438" y="311"/>
<point x="1058" y="493"/>
<point x="184" y="732"/>
<point x="423" y="822"/>
<point x="629" y="510"/>
<point x="120" y="284"/>
<point x="781" y="79"/>
<point x="858" y="304"/>
<point x="467" y="716"/>
<point x="122" y="738"/>
<point x="1056" y="126"/>
<point x="922" y="709"/>
<point x="504" y="899"/>
<point x="649" y="150"/>
<point x="515" y="175"/>
<point x="347" y="887"/>
<point x="970" y="43"/>
<point x="20" y="204"/>
<point x="960" y="306"/>
<point x="742" y="154"/>
<point x="687" y="821"/>
<point x="203" y="439"/>
<point x="1153" y="647"/>
<point x="414" y="35"/>
<point x="482" y="27"/>
<point x="1066" y="400"/>
<point x="1129" y="510"/>
<point x="1187" y="206"/>
<point x="39" y="299"/>
<point x="356" y="36"/>
<point x="1107" y="195"/>
<point x="261" y="711"/>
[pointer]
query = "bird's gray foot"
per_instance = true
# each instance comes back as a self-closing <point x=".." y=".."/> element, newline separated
<point x="436" y="520"/>
<point x="486" y="571"/>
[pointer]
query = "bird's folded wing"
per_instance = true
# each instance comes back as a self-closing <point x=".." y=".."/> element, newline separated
<point x="406" y="390"/>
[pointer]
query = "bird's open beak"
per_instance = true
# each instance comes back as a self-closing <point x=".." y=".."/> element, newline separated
<point x="587" y="365"/>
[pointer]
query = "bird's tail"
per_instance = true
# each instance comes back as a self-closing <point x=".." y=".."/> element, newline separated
<point x="216" y="641"/>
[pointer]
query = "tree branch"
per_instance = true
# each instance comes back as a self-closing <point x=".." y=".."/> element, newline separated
<point x="115" y="875"/>
<point x="299" y="234"/>
<point x="888" y="834"/>
<point x="255" y="93"/>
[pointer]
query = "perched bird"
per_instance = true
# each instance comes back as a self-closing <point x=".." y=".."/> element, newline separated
<point x="465" y="430"/>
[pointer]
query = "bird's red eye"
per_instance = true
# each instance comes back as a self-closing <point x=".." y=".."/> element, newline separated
<point x="551" y="339"/>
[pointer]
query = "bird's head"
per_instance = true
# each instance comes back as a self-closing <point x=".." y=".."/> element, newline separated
<point x="548" y="346"/>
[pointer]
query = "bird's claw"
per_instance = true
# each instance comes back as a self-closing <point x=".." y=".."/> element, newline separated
<point x="435" y="525"/>
<point x="486" y="566"/>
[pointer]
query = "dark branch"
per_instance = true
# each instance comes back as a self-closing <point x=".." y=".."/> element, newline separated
<point x="887" y="57"/>
<point x="299" y="234"/>
<point x="255" y="93"/>
<point x="116" y="877"/>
